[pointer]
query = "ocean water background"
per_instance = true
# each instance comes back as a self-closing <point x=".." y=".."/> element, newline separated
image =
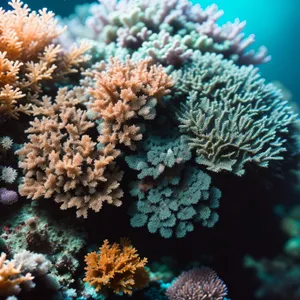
<point x="275" y="24"/>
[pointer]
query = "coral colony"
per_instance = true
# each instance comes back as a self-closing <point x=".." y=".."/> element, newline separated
<point x="144" y="106"/>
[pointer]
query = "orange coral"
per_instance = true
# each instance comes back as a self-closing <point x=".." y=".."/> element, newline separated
<point x="10" y="277"/>
<point x="117" y="267"/>
<point x="63" y="162"/>
<point x="28" y="56"/>
<point x="126" y="91"/>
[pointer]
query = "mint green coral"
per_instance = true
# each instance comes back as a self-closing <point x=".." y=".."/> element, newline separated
<point x="231" y="117"/>
<point x="158" y="153"/>
<point x="173" y="205"/>
<point x="172" y="194"/>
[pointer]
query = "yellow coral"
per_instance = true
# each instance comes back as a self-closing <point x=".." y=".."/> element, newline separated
<point x="117" y="267"/>
<point x="126" y="91"/>
<point x="28" y="56"/>
<point x="10" y="277"/>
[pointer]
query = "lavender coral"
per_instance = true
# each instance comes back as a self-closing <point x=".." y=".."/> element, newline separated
<point x="201" y="284"/>
<point x="131" y="23"/>
<point x="8" y="197"/>
<point x="61" y="160"/>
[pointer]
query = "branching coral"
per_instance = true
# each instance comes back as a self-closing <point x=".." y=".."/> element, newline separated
<point x="116" y="267"/>
<point x="130" y="23"/>
<point x="164" y="49"/>
<point x="125" y="92"/>
<point x="62" y="161"/>
<point x="231" y="117"/>
<point x="201" y="284"/>
<point x="11" y="277"/>
<point x="28" y="56"/>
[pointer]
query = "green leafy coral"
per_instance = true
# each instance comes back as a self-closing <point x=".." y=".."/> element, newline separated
<point x="172" y="194"/>
<point x="173" y="204"/>
<point x="231" y="117"/>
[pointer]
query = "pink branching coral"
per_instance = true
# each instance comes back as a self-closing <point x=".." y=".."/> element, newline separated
<point x="127" y="91"/>
<point x="28" y="56"/>
<point x="197" y="284"/>
<point x="61" y="160"/>
<point x="11" y="277"/>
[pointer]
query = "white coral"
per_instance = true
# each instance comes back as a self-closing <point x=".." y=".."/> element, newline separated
<point x="9" y="175"/>
<point x="6" y="142"/>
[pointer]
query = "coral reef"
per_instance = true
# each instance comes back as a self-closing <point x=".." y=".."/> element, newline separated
<point x="153" y="107"/>
<point x="117" y="267"/>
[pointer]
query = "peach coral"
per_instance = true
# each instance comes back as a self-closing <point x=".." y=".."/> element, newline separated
<point x="63" y="162"/>
<point x="126" y="91"/>
<point x="10" y="277"/>
<point x="28" y="56"/>
<point x="117" y="267"/>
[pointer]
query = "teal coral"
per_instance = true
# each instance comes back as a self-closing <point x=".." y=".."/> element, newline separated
<point x="231" y="117"/>
<point x="158" y="153"/>
<point x="172" y="205"/>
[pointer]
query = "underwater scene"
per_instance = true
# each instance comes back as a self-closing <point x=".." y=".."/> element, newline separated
<point x="149" y="149"/>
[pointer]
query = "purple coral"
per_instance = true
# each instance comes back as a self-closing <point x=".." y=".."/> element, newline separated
<point x="8" y="197"/>
<point x="197" y="284"/>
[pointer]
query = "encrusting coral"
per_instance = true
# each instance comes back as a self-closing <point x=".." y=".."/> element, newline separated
<point x="11" y="277"/>
<point x="127" y="92"/>
<point x="28" y="56"/>
<point x="116" y="267"/>
<point x="61" y="160"/>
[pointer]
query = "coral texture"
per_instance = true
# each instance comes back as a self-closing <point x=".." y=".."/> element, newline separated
<point x="201" y="284"/>
<point x="231" y="117"/>
<point x="62" y="161"/>
<point x="116" y="267"/>
<point x="125" y="92"/>
<point x="11" y="277"/>
<point x="28" y="56"/>
<point x="31" y="229"/>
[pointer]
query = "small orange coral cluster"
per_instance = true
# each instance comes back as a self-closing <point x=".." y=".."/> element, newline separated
<point x="63" y="162"/>
<point x="10" y="277"/>
<point x="28" y="56"/>
<point x="124" y="92"/>
<point x="117" y="267"/>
